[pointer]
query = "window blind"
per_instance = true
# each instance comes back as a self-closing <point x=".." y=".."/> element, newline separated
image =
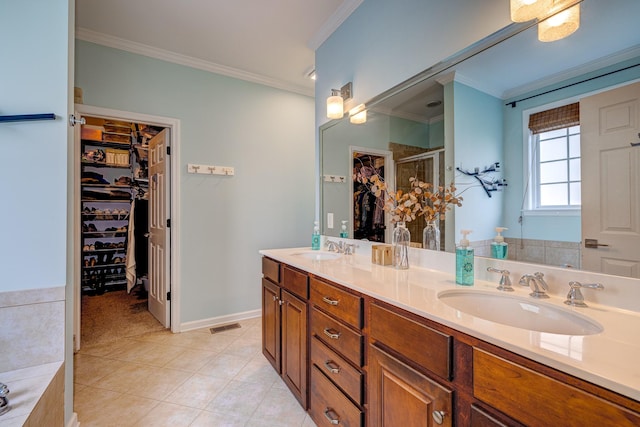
<point x="556" y="118"/>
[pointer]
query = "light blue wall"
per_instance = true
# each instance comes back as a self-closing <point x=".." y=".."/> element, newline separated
<point x="33" y="156"/>
<point x="385" y="42"/>
<point x="478" y="138"/>
<point x="564" y="228"/>
<point x="266" y="134"/>
<point x="436" y="134"/>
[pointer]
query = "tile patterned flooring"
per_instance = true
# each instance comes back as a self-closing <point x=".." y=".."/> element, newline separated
<point x="192" y="379"/>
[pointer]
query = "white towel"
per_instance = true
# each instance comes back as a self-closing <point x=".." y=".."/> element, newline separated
<point x="131" y="254"/>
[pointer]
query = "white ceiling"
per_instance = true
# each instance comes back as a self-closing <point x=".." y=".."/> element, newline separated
<point x="270" y="42"/>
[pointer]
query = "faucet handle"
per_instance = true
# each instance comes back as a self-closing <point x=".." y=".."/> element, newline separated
<point x="505" y="280"/>
<point x="575" y="297"/>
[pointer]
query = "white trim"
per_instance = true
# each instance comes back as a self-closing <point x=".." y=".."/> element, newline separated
<point x="335" y="20"/>
<point x="552" y="212"/>
<point x="188" y="61"/>
<point x="220" y="320"/>
<point x="73" y="422"/>
<point x="174" y="158"/>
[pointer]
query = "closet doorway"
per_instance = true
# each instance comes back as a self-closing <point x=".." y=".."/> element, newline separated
<point x="124" y="200"/>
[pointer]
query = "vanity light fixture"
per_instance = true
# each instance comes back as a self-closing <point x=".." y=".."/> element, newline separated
<point x="560" y="25"/>
<point x="335" y="103"/>
<point x="358" y="115"/>
<point x="526" y="10"/>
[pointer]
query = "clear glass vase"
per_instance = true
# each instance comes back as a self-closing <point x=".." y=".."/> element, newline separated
<point x="400" y="241"/>
<point x="431" y="236"/>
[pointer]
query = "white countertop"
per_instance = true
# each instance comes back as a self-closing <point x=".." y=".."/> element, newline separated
<point x="610" y="358"/>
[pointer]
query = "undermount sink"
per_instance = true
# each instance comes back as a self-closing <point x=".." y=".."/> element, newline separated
<point x="520" y="312"/>
<point x="319" y="255"/>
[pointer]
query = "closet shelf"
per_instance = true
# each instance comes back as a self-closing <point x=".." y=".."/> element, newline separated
<point x="101" y="266"/>
<point x="90" y="217"/>
<point x="109" y="186"/>
<point x="104" y="251"/>
<point x="123" y="145"/>
<point x="106" y="201"/>
<point x="104" y="165"/>
<point x="104" y="233"/>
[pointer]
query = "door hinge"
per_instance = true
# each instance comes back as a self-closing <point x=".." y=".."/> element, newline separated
<point x="168" y="222"/>
<point x="169" y="296"/>
<point x="168" y="150"/>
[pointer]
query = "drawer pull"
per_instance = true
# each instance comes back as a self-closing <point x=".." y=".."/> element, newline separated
<point x="330" y="301"/>
<point x="332" y="333"/>
<point x="332" y="367"/>
<point x="438" y="416"/>
<point x="331" y="416"/>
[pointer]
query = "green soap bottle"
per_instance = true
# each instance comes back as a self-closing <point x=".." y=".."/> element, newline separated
<point x="464" y="261"/>
<point x="343" y="230"/>
<point x="315" y="237"/>
<point x="499" y="248"/>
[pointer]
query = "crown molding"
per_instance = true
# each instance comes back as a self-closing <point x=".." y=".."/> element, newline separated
<point x="188" y="61"/>
<point x="598" y="64"/>
<point x="335" y="20"/>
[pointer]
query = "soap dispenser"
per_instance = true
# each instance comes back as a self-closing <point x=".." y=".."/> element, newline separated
<point x="499" y="247"/>
<point x="343" y="230"/>
<point x="315" y="237"/>
<point x="464" y="261"/>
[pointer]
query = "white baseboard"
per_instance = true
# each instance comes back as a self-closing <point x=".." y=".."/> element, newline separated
<point x="73" y="422"/>
<point x="220" y="320"/>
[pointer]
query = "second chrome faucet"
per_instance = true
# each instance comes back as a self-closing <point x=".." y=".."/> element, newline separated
<point x="536" y="283"/>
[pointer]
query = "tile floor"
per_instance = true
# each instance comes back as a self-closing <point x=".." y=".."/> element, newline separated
<point x="192" y="379"/>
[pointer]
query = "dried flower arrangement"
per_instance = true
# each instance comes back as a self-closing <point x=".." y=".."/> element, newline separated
<point x="421" y="200"/>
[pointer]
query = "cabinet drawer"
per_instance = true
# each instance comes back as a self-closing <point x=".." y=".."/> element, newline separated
<point x="418" y="343"/>
<point x="337" y="336"/>
<point x="537" y="400"/>
<point x="296" y="282"/>
<point x="329" y="407"/>
<point x="341" y="304"/>
<point x="338" y="370"/>
<point x="271" y="269"/>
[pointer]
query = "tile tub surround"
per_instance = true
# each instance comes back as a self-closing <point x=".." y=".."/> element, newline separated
<point x="587" y="357"/>
<point x="32" y="327"/>
<point x="32" y="343"/>
<point x="26" y="389"/>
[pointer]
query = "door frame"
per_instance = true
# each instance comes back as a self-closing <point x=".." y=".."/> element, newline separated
<point x="174" y="196"/>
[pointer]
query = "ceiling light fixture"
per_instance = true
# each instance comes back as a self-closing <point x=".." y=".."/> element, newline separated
<point x="560" y="25"/>
<point x="335" y="103"/>
<point x="526" y="10"/>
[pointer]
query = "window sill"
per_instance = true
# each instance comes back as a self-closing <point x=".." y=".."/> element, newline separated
<point x="553" y="212"/>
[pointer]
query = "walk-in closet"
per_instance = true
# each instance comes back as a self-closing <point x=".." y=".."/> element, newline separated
<point x="115" y="227"/>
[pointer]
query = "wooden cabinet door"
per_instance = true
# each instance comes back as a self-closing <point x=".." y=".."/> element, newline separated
<point x="294" y="345"/>
<point x="271" y="323"/>
<point x="401" y="396"/>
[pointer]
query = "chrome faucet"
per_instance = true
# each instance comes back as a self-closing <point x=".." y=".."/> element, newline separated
<point x="536" y="283"/>
<point x="575" y="297"/>
<point x="505" y="280"/>
<point x="334" y="246"/>
<point x="4" y="401"/>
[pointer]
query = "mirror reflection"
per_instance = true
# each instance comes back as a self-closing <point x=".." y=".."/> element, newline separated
<point x="474" y="124"/>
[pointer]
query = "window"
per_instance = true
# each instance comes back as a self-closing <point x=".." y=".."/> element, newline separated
<point x="555" y="158"/>
<point x="558" y="168"/>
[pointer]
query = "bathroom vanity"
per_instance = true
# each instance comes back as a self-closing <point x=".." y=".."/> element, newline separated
<point x="371" y="345"/>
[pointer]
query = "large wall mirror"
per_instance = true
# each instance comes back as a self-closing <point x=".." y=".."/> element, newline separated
<point x="459" y="119"/>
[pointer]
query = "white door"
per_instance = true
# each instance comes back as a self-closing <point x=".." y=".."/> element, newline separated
<point x="159" y="264"/>
<point x="610" y="169"/>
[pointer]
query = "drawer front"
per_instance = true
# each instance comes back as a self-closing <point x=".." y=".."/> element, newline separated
<point x="337" y="336"/>
<point x="537" y="400"/>
<point x="329" y="407"/>
<point x="338" y="370"/>
<point x="419" y="343"/>
<point x="339" y="303"/>
<point x="295" y="282"/>
<point x="271" y="269"/>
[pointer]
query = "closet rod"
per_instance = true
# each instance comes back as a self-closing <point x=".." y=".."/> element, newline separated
<point x="27" y="117"/>
<point x="513" y="103"/>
